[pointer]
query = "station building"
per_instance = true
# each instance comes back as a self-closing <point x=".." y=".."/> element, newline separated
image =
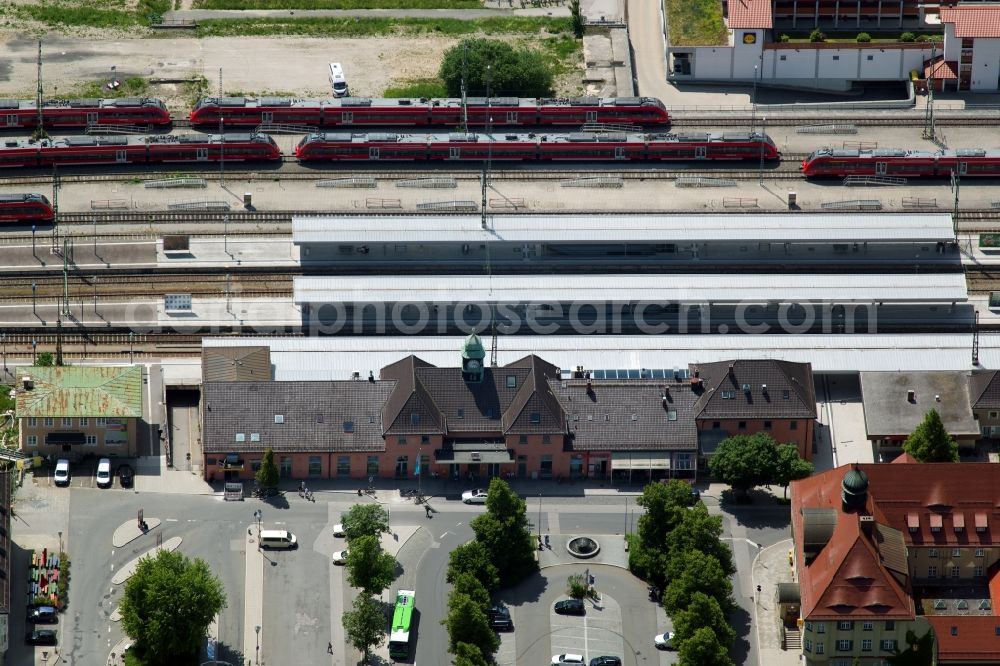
<point x="891" y="551"/>
<point x="754" y="50"/>
<point x="79" y="411"/>
<point x="526" y="419"/>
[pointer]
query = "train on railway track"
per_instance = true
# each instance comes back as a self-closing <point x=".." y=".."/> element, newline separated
<point x="893" y="162"/>
<point x="25" y="208"/>
<point x="90" y="150"/>
<point x="577" y="147"/>
<point x="363" y="112"/>
<point x="81" y="113"/>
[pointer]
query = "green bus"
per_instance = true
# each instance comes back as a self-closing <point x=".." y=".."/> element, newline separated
<point x="399" y="635"/>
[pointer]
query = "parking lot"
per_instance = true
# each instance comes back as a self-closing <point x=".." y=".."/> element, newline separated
<point x="597" y="633"/>
<point x="83" y="474"/>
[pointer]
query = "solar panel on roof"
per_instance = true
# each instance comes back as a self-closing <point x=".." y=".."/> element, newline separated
<point x="275" y="101"/>
<point x="355" y="101"/>
<point x="88" y="101"/>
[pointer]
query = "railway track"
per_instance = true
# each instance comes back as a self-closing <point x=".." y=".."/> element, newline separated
<point x="121" y="286"/>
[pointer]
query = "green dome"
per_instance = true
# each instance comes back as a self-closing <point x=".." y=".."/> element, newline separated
<point x="473" y="347"/>
<point x="855" y="481"/>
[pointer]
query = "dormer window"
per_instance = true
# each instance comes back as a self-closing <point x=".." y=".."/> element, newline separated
<point x="348" y="426"/>
<point x="240" y="437"/>
<point x="511" y="381"/>
<point x="461" y="413"/>
<point x="279" y="418"/>
<point x="728" y="395"/>
<point x="671" y="415"/>
<point x="785" y="395"/>
<point x="536" y="417"/>
<point x="414" y="419"/>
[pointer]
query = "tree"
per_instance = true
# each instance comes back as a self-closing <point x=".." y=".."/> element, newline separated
<point x="45" y="360"/>
<point x="579" y="25"/>
<point x="473" y="558"/>
<point x="364" y="626"/>
<point x="930" y="442"/>
<point x="364" y="519"/>
<point x="503" y="530"/>
<point x="665" y="504"/>
<point x="700" y="531"/>
<point x="267" y="475"/>
<point x="167" y="606"/>
<point x="790" y="466"/>
<point x="467" y="654"/>
<point x="469" y="585"/>
<point x="694" y="571"/>
<point x="703" y="611"/>
<point x="703" y="649"/>
<point x="467" y="623"/>
<point x="745" y="461"/>
<point x="368" y="566"/>
<point x="514" y="72"/>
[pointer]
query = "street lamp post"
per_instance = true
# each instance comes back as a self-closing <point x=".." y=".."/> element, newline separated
<point x="257" y="658"/>
<point x="539" y="519"/>
<point x="34" y="352"/>
<point x="131" y="349"/>
<point x="33" y="228"/>
<point x="753" y="102"/>
<point x="34" y="302"/>
<point x="258" y="514"/>
<point x="3" y="341"/>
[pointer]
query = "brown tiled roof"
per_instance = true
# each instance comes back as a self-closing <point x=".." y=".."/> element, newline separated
<point x="790" y="392"/>
<point x="313" y="416"/>
<point x="973" y="21"/>
<point x="235" y="364"/>
<point x="939" y="68"/>
<point x="628" y="415"/>
<point x="749" y="14"/>
<point x="984" y="389"/>
<point x="976" y="638"/>
<point x="506" y="401"/>
<point x="409" y="409"/>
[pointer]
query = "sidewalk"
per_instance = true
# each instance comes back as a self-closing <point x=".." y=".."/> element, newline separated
<point x="459" y="14"/>
<point x="770" y="567"/>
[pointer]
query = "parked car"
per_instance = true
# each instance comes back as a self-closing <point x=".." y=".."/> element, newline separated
<point x="606" y="661"/>
<point x="568" y="659"/>
<point x="340" y="557"/>
<point x="571" y="607"/>
<point x="338" y="530"/>
<point x="40" y="637"/>
<point x="664" y="641"/>
<point x="43" y="614"/>
<point x="477" y="496"/>
<point x="500" y="618"/>
<point x="61" y="476"/>
<point x="104" y="473"/>
<point x="126" y="476"/>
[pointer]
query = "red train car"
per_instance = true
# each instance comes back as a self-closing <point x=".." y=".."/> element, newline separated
<point x="969" y="162"/>
<point x="530" y="147"/>
<point x="91" y="150"/>
<point x="359" y="112"/>
<point x="80" y="113"/>
<point x="25" y="208"/>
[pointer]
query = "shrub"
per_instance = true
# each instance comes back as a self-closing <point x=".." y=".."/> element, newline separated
<point x="62" y="587"/>
<point x="576" y="586"/>
<point x="907" y="37"/>
<point x="784" y="39"/>
<point x="864" y="37"/>
<point x="817" y="36"/>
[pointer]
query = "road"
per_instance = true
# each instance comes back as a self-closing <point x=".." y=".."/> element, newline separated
<point x="648" y="48"/>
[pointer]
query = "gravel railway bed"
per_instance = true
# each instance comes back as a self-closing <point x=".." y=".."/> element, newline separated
<point x="130" y="285"/>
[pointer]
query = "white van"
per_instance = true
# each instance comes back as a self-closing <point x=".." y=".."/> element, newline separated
<point x="277" y="539"/>
<point x="338" y="80"/>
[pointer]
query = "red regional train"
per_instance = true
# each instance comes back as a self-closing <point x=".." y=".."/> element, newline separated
<point x="901" y="163"/>
<point x="531" y="147"/>
<point x="365" y="112"/>
<point x="25" y="208"/>
<point x="79" y="113"/>
<point x="79" y="150"/>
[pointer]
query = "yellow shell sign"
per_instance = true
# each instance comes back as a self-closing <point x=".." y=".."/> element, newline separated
<point x="749" y="37"/>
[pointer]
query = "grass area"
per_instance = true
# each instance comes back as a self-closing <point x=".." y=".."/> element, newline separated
<point x="696" y="23"/>
<point x="375" y="27"/>
<point x="134" y="86"/>
<point x="418" y="88"/>
<point x="562" y="53"/>
<point x="100" y="14"/>
<point x="338" y="4"/>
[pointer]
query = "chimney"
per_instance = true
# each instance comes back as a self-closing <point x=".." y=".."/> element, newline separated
<point x="731" y="365"/>
<point x="355" y="376"/>
<point x="27" y="383"/>
<point x="590" y="386"/>
<point x="937" y="398"/>
<point x="911" y="396"/>
<point x="371" y="376"/>
<point x="763" y="388"/>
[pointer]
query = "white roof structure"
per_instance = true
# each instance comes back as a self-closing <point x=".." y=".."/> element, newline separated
<point x="789" y="227"/>
<point x="326" y="358"/>
<point x="668" y="288"/>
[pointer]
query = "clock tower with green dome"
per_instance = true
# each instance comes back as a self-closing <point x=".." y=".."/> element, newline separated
<point x="473" y="354"/>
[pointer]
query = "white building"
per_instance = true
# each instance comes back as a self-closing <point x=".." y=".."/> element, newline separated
<point x="971" y="58"/>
